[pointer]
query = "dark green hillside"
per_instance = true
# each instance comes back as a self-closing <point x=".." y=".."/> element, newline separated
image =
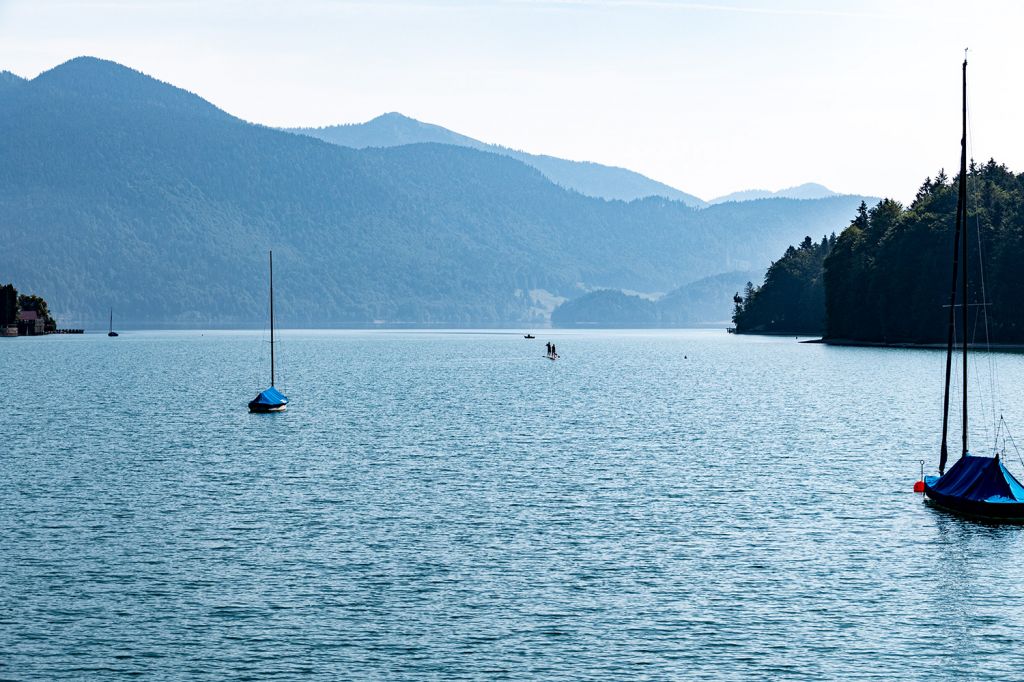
<point x="886" y="277"/>
<point x="118" y="190"/>
<point x="792" y="298"/>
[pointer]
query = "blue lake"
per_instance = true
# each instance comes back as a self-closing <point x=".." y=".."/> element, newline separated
<point x="453" y="505"/>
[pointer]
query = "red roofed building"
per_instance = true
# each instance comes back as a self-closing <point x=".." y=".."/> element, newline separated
<point x="30" y="323"/>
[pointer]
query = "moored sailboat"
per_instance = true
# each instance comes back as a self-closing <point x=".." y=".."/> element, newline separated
<point x="270" y="399"/>
<point x="111" y="331"/>
<point x="975" y="486"/>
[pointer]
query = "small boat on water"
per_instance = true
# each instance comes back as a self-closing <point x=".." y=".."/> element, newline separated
<point x="978" y="487"/>
<point x="270" y="399"/>
<point x="975" y="486"/>
<point x="111" y="331"/>
<point x="529" y="336"/>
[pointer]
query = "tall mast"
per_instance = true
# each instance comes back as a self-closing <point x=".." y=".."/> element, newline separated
<point x="958" y="235"/>
<point x="962" y="218"/>
<point x="271" y="318"/>
<point x="111" y="319"/>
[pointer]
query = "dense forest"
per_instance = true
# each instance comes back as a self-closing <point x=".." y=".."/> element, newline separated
<point x="887" y="276"/>
<point x="792" y="298"/>
<point x="119" y="190"/>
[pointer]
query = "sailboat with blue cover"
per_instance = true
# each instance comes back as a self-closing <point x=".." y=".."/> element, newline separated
<point x="270" y="399"/>
<point x="975" y="486"/>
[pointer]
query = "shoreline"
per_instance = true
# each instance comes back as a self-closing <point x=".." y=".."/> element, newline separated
<point x="918" y="346"/>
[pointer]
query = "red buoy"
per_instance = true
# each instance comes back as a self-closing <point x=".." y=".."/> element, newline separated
<point x="919" y="486"/>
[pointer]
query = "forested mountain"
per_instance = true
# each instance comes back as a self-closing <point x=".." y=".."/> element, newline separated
<point x="592" y="179"/>
<point x="119" y="190"/>
<point x="886" y="277"/>
<point x="808" y="190"/>
<point x="704" y="302"/>
<point x="792" y="298"/>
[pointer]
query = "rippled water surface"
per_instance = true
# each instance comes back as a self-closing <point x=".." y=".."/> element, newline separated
<point x="447" y="505"/>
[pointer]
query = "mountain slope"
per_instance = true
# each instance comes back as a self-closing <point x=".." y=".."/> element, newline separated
<point x="9" y="80"/>
<point x="592" y="179"/>
<point x="116" y="189"/>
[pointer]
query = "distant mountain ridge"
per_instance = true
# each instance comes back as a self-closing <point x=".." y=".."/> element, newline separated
<point x="119" y="190"/>
<point x="808" y="190"/>
<point x="586" y="177"/>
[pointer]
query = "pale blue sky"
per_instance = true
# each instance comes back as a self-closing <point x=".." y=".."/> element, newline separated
<point x="708" y="96"/>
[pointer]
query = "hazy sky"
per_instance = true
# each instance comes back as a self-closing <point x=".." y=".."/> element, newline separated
<point x="709" y="97"/>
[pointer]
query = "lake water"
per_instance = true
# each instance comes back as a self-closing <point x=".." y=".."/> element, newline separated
<point x="449" y="505"/>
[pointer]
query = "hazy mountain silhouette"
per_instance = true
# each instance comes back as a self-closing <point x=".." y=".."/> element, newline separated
<point x="120" y="190"/>
<point x="808" y="190"/>
<point x="704" y="302"/>
<point x="606" y="309"/>
<point x="592" y="179"/>
<point x="389" y="130"/>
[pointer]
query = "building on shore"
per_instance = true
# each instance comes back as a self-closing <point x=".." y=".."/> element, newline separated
<point x="31" y="323"/>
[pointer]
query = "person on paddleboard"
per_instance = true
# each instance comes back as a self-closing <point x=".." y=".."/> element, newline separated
<point x="548" y="344"/>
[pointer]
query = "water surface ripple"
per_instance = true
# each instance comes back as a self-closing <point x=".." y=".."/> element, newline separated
<point x="452" y="505"/>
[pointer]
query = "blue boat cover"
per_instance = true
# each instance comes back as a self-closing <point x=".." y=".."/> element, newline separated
<point x="272" y="396"/>
<point x="979" y="479"/>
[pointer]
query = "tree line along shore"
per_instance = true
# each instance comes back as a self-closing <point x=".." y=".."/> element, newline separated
<point x="884" y="280"/>
<point x="26" y="315"/>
